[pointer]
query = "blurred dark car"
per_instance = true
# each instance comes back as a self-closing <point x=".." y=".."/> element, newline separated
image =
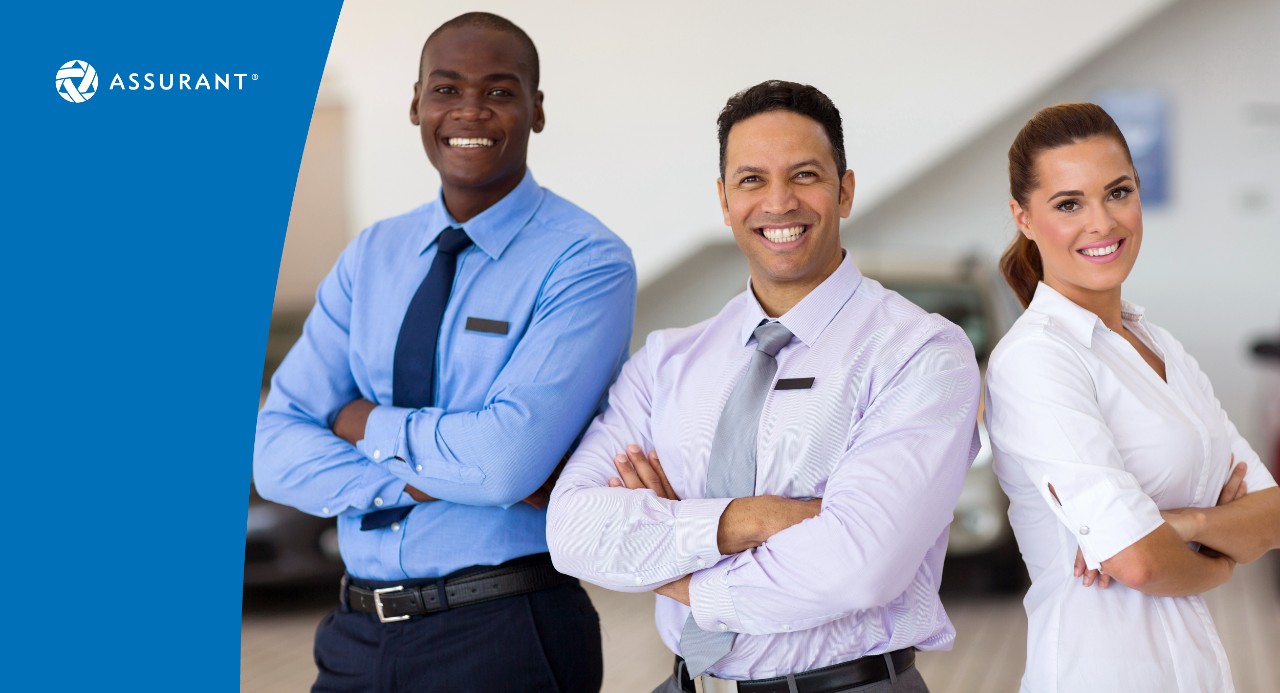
<point x="1267" y="352"/>
<point x="284" y="546"/>
<point x="968" y="291"/>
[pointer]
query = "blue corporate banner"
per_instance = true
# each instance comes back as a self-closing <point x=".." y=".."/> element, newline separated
<point x="150" y="163"/>
<point x="1143" y="117"/>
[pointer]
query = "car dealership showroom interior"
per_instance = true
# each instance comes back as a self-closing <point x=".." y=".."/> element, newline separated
<point x="932" y="95"/>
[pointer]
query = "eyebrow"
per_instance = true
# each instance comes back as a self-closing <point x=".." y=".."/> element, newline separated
<point x="756" y="169"/>
<point x="494" y="77"/>
<point x="1078" y="193"/>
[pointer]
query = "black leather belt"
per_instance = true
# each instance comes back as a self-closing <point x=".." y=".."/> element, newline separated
<point x="837" y="677"/>
<point x="418" y="597"/>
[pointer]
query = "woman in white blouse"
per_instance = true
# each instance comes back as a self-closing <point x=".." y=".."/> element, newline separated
<point x="1120" y="465"/>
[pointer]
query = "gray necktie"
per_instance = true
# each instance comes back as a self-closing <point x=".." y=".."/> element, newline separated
<point x="731" y="473"/>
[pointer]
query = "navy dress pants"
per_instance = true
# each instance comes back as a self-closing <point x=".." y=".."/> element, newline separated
<point x="544" y="641"/>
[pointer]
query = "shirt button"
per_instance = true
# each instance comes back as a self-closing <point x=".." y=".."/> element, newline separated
<point x="418" y="468"/>
<point x="377" y="455"/>
<point x="395" y="526"/>
<point x="1084" y="529"/>
<point x="639" y="581"/>
<point x="702" y="563"/>
<point x="724" y="627"/>
<point x="786" y="626"/>
<point x="324" y="511"/>
<point x="378" y="501"/>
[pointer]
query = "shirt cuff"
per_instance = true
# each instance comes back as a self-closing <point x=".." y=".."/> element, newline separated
<point x="710" y="601"/>
<point x="1107" y="517"/>
<point x="383" y="491"/>
<point x="384" y="433"/>
<point x="697" y="527"/>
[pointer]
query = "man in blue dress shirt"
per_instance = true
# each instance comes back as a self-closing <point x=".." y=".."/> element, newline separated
<point x="432" y="439"/>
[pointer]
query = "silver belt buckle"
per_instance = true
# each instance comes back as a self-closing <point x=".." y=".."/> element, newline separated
<point x="711" y="684"/>
<point x="377" y="604"/>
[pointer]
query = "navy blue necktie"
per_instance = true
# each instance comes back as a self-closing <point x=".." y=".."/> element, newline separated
<point x="413" y="378"/>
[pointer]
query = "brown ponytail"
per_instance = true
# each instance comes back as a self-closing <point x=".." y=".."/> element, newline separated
<point x="1053" y="127"/>
<point x="1022" y="268"/>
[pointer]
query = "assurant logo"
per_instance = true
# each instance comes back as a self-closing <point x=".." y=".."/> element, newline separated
<point x="77" y="81"/>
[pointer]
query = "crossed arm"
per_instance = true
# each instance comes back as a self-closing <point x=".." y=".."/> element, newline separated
<point x="495" y="455"/>
<point x="1239" y="529"/>
<point x="1053" y="426"/>
<point x="350" y="425"/>
<point x="745" y="524"/>
<point x="887" y="502"/>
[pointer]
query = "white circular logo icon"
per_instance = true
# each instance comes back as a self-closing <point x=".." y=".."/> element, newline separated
<point x="77" y="81"/>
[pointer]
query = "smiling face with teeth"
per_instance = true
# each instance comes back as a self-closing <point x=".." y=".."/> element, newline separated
<point x="784" y="198"/>
<point x="1085" y="217"/>
<point x="476" y="103"/>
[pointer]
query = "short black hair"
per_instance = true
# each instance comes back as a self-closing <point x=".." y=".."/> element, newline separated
<point x="487" y="20"/>
<point x="777" y="95"/>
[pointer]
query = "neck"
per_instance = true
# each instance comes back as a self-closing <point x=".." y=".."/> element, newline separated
<point x="776" y="298"/>
<point x="464" y="204"/>
<point x="777" y="302"/>
<point x="1104" y="304"/>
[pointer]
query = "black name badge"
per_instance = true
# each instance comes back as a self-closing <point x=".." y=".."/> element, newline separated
<point x="489" y="326"/>
<point x="794" y="384"/>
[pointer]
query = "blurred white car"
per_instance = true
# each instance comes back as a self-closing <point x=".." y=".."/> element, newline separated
<point x="969" y="292"/>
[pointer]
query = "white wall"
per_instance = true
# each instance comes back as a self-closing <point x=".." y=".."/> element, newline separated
<point x="1210" y="265"/>
<point x="633" y="90"/>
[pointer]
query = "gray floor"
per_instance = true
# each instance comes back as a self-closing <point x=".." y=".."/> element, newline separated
<point x="988" y="656"/>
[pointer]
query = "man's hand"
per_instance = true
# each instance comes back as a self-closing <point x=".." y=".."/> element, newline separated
<point x="418" y="495"/>
<point x="749" y="522"/>
<point x="746" y="522"/>
<point x="350" y="422"/>
<point x="678" y="590"/>
<point x="638" y="471"/>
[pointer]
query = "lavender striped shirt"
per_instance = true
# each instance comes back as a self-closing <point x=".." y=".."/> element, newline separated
<point x="885" y="437"/>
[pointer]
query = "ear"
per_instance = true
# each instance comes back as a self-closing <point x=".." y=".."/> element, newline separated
<point x="413" y="105"/>
<point x="1021" y="218"/>
<point x="724" y="202"/>
<point x="539" y="118"/>
<point x="846" y="193"/>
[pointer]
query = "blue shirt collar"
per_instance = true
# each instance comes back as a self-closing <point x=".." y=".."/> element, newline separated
<point x="493" y="229"/>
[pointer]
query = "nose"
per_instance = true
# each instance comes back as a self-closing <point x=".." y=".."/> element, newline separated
<point x="1101" y="221"/>
<point x="471" y="107"/>
<point x="780" y="198"/>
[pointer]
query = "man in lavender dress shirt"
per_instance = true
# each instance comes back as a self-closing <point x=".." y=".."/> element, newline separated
<point x="828" y="574"/>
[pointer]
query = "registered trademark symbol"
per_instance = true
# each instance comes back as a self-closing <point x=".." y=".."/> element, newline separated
<point x="254" y="77"/>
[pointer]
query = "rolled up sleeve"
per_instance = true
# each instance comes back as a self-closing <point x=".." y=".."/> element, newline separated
<point x="1043" y="415"/>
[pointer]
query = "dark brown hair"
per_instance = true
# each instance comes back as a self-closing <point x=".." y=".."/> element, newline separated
<point x="1053" y="127"/>
<point x="777" y="95"/>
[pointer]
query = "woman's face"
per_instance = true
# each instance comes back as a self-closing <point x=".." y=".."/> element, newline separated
<point x="1085" y="217"/>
